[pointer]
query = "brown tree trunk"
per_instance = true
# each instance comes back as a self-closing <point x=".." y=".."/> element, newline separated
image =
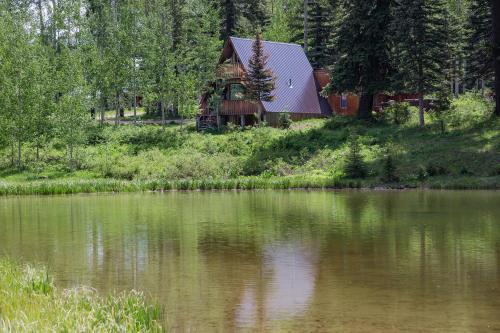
<point x="495" y="11"/>
<point x="162" y="107"/>
<point x="421" y="109"/>
<point x="12" y="154"/>
<point x="365" y="106"/>
<point x="117" y="114"/>
<point x="103" y="115"/>
<point x="19" y="152"/>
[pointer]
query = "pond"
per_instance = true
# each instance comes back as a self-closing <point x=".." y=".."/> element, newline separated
<point x="294" y="261"/>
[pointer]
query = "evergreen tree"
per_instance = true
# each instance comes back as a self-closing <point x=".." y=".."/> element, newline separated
<point x="355" y="165"/>
<point x="255" y="13"/>
<point x="361" y="50"/>
<point x="318" y="25"/>
<point x="298" y="21"/>
<point x="229" y="18"/>
<point x="422" y="48"/>
<point x="495" y="9"/>
<point x="260" y="80"/>
<point x="178" y="21"/>
<point x="202" y="39"/>
<point x="480" y="63"/>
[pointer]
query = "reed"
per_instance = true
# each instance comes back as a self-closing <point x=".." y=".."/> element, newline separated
<point x="52" y="187"/>
<point x="31" y="303"/>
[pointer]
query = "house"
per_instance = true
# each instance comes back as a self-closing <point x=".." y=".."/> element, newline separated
<point x="297" y="92"/>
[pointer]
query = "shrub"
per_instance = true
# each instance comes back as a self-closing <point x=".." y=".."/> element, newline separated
<point x="354" y="165"/>
<point x="195" y="165"/>
<point x="284" y="121"/>
<point x="436" y="170"/>
<point x="441" y="107"/>
<point x="398" y="113"/>
<point x="468" y="110"/>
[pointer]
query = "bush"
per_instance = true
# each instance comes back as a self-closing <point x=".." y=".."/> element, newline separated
<point x="284" y="121"/>
<point x="441" y="107"/>
<point x="195" y="165"/>
<point x="469" y="110"/>
<point x="397" y="113"/>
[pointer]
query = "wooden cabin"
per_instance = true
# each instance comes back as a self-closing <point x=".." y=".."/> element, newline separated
<point x="297" y="92"/>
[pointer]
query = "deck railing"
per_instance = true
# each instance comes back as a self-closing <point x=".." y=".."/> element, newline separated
<point x="230" y="71"/>
<point x="238" y="108"/>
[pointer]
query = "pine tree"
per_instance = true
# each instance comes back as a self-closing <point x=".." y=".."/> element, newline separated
<point x="260" y="79"/>
<point x="256" y="14"/>
<point x="361" y="50"/>
<point x="480" y="64"/>
<point x="229" y="18"/>
<point x="422" y="48"/>
<point x="495" y="9"/>
<point x="355" y="166"/>
<point x="178" y="17"/>
<point x="319" y="31"/>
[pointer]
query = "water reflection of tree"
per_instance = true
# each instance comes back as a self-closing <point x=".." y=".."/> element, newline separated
<point x="200" y="251"/>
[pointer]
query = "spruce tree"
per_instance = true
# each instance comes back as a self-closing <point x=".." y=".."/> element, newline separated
<point x="480" y="63"/>
<point x="495" y="9"/>
<point x="361" y="50"/>
<point x="422" y="49"/>
<point x="355" y="165"/>
<point x="260" y="79"/>
<point x="228" y="12"/>
<point x="319" y="31"/>
<point x="256" y="14"/>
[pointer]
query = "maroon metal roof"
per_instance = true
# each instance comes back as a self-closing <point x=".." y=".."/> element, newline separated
<point x="289" y="64"/>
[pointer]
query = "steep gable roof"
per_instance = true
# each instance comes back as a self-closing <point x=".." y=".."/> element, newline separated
<point x="289" y="64"/>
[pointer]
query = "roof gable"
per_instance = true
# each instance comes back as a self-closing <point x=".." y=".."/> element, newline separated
<point x="289" y="64"/>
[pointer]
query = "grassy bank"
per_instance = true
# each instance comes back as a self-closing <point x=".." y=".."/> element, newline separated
<point x="310" y="154"/>
<point x="30" y="302"/>
<point x="52" y="187"/>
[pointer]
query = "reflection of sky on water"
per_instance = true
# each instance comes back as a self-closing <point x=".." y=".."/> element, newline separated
<point x="286" y="289"/>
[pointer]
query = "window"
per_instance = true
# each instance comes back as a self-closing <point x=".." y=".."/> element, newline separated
<point x="237" y="92"/>
<point x="343" y="101"/>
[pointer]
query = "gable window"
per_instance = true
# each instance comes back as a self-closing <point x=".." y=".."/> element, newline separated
<point x="343" y="101"/>
<point x="237" y="92"/>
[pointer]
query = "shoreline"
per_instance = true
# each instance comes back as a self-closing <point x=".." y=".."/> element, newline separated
<point x="103" y="186"/>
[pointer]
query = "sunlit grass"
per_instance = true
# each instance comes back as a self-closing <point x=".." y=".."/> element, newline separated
<point x="30" y="302"/>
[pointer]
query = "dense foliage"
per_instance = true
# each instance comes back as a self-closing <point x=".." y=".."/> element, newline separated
<point x="63" y="60"/>
<point x="187" y="159"/>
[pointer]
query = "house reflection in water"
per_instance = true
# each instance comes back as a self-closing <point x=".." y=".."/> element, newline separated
<point x="285" y="290"/>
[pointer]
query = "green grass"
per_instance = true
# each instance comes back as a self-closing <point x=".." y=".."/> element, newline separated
<point x="30" y="302"/>
<point x="73" y="186"/>
<point x="311" y="153"/>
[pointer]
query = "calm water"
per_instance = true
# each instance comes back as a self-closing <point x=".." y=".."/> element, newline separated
<point x="277" y="261"/>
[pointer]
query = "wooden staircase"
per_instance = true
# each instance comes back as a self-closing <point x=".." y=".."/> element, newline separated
<point x="206" y="122"/>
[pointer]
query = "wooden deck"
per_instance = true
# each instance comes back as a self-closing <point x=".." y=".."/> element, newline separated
<point x="230" y="108"/>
